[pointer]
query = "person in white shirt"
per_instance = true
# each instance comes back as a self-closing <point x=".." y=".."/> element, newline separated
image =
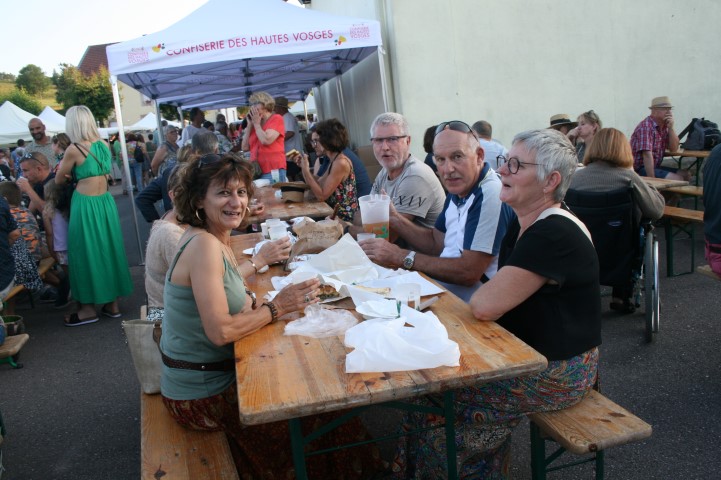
<point x="492" y="148"/>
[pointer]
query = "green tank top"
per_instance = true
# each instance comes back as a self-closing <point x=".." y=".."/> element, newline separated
<point x="184" y="338"/>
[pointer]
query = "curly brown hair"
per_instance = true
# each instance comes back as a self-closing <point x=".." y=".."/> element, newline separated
<point x="197" y="174"/>
<point x="332" y="135"/>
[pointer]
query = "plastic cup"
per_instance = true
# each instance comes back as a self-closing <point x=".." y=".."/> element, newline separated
<point x="272" y="222"/>
<point x="277" y="232"/>
<point x="365" y="236"/>
<point x="275" y="175"/>
<point x="408" y="294"/>
<point x="375" y="210"/>
<point x="264" y="229"/>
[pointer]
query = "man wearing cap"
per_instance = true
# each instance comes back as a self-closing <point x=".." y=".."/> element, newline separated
<point x="293" y="140"/>
<point x="651" y="138"/>
<point x="461" y="251"/>
<point x="563" y="123"/>
<point x="41" y="142"/>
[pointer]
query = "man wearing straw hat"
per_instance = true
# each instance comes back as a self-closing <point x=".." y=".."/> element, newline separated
<point x="651" y="138"/>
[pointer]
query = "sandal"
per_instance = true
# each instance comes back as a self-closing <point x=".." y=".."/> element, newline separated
<point x="74" y="321"/>
<point x="110" y="314"/>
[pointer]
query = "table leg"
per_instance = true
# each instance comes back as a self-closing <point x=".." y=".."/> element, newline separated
<point x="450" y="428"/>
<point x="296" y="442"/>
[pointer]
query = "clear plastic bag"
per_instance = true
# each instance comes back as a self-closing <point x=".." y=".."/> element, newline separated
<point x="320" y="322"/>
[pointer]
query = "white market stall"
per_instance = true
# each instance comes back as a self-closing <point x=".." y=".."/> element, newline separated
<point x="13" y="123"/>
<point x="149" y="122"/>
<point x="52" y="120"/>
<point x="227" y="49"/>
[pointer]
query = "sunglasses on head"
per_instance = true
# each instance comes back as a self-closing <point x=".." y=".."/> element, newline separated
<point x="456" y="126"/>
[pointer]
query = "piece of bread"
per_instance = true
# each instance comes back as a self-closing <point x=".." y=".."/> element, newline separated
<point x="292" y="152"/>
<point x="327" y="292"/>
<point x="382" y="291"/>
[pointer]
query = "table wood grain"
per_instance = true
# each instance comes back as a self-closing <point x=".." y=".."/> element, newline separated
<point x="277" y="208"/>
<point x="281" y="377"/>
<point x="663" y="183"/>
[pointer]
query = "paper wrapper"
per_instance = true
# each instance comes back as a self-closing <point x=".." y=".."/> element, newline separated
<point x="315" y="237"/>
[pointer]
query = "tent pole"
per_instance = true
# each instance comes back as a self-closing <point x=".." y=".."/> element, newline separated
<point x="341" y="103"/>
<point x="382" y="65"/>
<point x="161" y="133"/>
<point x="126" y="163"/>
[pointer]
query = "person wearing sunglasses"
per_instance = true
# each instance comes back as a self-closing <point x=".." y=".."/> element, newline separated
<point x="547" y="293"/>
<point x="207" y="307"/>
<point x="36" y="170"/>
<point x="467" y="233"/>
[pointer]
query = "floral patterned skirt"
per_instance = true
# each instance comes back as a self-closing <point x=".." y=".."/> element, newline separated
<point x="485" y="417"/>
<point x="264" y="451"/>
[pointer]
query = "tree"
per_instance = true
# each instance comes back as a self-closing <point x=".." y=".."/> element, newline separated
<point x="168" y="112"/>
<point x="32" y="79"/>
<point x="21" y="99"/>
<point x="93" y="91"/>
<point x="7" y="77"/>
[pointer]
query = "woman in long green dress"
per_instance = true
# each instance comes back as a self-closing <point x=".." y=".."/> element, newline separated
<point x="99" y="272"/>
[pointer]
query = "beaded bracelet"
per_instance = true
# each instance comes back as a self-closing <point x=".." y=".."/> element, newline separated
<point x="252" y="296"/>
<point x="273" y="311"/>
<point x="253" y="264"/>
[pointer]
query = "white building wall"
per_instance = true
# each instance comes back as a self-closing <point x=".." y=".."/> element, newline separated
<point x="517" y="62"/>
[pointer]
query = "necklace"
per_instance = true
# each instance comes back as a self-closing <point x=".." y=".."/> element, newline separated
<point x="228" y="253"/>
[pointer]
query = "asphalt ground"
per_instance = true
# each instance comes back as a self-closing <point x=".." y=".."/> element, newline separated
<point x="73" y="411"/>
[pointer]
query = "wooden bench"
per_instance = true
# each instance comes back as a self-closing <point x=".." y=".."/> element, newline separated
<point x="11" y="347"/>
<point x="679" y="220"/>
<point x="591" y="426"/>
<point x="45" y="265"/>
<point x="171" y="452"/>
<point x="688" y="191"/>
<point x="706" y="271"/>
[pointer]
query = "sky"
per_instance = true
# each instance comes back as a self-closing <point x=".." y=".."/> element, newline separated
<point x="72" y="26"/>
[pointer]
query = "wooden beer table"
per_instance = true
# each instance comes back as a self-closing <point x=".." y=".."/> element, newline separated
<point x="662" y="183"/>
<point x="277" y="208"/>
<point x="287" y="377"/>
<point x="698" y="155"/>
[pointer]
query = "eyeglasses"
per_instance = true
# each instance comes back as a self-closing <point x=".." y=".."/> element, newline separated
<point x="391" y="140"/>
<point x="314" y="142"/>
<point x="456" y="126"/>
<point x="513" y="163"/>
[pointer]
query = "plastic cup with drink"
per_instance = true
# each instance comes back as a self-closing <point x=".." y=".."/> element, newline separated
<point x="375" y="211"/>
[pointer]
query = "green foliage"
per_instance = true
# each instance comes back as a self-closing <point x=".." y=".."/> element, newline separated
<point x="32" y="79"/>
<point x="168" y="112"/>
<point x="7" y="77"/>
<point x="21" y="99"/>
<point x="94" y="91"/>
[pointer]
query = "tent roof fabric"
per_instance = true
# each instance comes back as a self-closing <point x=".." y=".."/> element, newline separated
<point x="213" y="59"/>
<point x="13" y="123"/>
<point x="52" y="120"/>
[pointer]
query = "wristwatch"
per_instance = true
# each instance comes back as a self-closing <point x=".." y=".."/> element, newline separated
<point x="408" y="261"/>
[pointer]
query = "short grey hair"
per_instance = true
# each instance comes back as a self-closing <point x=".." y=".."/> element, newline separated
<point x="553" y="152"/>
<point x="205" y="142"/>
<point x="390" y="118"/>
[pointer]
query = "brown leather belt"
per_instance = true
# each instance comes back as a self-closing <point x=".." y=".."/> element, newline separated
<point x="222" y="366"/>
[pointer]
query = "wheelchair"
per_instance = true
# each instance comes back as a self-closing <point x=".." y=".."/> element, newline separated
<point x="626" y="248"/>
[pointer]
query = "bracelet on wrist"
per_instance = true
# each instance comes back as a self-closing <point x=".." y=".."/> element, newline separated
<point x="273" y="311"/>
<point x="252" y="296"/>
<point x="255" y="267"/>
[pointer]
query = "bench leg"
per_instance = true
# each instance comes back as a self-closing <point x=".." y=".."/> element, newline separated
<point x="599" y="465"/>
<point x="538" y="454"/>
<point x="296" y="442"/>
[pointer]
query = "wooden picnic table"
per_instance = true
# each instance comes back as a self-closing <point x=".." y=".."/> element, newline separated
<point x="277" y="208"/>
<point x="662" y="183"/>
<point x="698" y="155"/>
<point x="286" y="377"/>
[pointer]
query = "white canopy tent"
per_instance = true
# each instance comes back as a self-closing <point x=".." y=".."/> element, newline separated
<point x="52" y="120"/>
<point x="298" y="107"/>
<point x="149" y="122"/>
<point x="227" y="49"/>
<point x="14" y="123"/>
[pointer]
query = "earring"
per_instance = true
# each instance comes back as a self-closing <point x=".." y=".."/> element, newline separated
<point x="197" y="215"/>
<point x="247" y="210"/>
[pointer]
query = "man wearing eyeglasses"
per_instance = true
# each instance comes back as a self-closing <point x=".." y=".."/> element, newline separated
<point x="461" y="251"/>
<point x="415" y="191"/>
<point x="41" y="142"/>
<point x="36" y="173"/>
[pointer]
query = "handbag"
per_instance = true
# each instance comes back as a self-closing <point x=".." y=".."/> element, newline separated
<point x="145" y="352"/>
